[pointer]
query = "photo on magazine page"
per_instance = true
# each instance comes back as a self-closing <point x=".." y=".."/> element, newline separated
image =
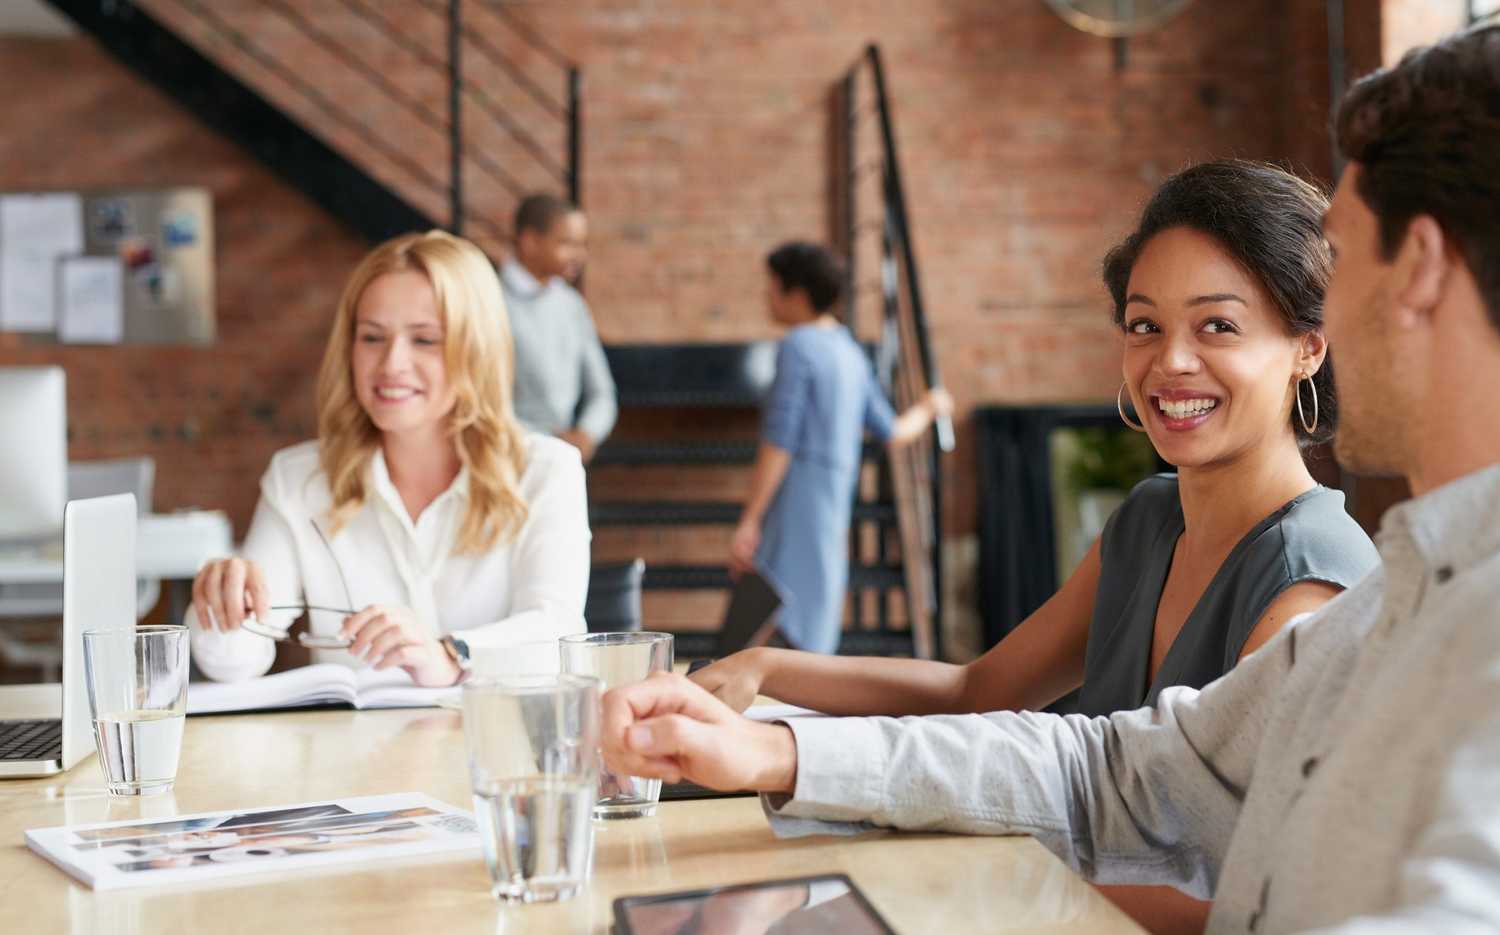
<point x="231" y="843"/>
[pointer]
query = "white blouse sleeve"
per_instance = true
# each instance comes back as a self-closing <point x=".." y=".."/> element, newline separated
<point x="240" y="654"/>
<point x="549" y="562"/>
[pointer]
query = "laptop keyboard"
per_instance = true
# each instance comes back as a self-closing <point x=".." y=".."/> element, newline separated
<point x="31" y="740"/>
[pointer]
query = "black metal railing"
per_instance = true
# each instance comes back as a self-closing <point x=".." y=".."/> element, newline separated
<point x="870" y="204"/>
<point x="561" y="169"/>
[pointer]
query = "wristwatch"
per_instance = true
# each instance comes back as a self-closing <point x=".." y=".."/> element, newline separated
<point x="458" y="651"/>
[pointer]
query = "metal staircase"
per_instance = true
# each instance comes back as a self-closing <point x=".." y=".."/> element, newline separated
<point x="723" y="384"/>
<point x="235" y="67"/>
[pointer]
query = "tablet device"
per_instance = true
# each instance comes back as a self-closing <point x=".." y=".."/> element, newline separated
<point x="802" y="906"/>
<point x="686" y="791"/>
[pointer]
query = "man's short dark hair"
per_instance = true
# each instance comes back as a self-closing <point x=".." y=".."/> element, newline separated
<point x="811" y="268"/>
<point x="1426" y="135"/>
<point x="539" y="212"/>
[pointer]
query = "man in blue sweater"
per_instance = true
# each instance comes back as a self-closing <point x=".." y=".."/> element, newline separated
<point x="563" y="383"/>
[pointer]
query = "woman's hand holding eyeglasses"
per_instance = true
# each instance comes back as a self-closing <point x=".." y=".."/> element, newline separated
<point x="387" y="636"/>
<point x="226" y="591"/>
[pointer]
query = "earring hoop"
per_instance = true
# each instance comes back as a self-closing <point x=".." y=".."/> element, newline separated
<point x="1301" y="415"/>
<point x="1120" y="408"/>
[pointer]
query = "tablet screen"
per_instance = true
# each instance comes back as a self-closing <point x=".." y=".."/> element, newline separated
<point x="779" y="907"/>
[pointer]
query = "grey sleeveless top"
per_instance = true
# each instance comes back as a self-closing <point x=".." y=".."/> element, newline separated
<point x="1310" y="538"/>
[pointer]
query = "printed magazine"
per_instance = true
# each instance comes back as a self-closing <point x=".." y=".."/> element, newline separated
<point x="215" y="845"/>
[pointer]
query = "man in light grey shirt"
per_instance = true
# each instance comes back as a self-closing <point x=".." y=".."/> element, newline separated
<point x="563" y="383"/>
<point x="1346" y="777"/>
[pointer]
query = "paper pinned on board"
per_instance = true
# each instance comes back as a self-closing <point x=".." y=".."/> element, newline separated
<point x="35" y="232"/>
<point x="91" y="300"/>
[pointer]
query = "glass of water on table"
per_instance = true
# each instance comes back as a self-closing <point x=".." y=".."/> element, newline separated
<point x="137" y="680"/>
<point x="533" y="745"/>
<point x="617" y="659"/>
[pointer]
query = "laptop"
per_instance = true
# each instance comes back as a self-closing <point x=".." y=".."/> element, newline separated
<point x="98" y="592"/>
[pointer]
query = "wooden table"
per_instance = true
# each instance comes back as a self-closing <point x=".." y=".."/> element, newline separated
<point x="920" y="882"/>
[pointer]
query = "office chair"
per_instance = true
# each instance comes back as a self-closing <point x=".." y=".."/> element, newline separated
<point x="613" y="604"/>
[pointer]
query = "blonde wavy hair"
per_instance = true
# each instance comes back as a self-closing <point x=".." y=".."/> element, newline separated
<point x="480" y="359"/>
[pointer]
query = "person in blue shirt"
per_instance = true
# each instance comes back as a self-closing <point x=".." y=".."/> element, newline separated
<point x="794" y="529"/>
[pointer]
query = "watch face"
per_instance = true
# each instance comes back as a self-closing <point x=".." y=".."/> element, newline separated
<point x="460" y="648"/>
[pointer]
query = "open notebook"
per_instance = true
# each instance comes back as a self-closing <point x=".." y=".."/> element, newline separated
<point x="314" y="685"/>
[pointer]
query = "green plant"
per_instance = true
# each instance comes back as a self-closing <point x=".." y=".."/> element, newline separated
<point x="1110" y="459"/>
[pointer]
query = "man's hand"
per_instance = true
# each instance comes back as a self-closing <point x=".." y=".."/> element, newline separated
<point x="668" y="728"/>
<point x="581" y="440"/>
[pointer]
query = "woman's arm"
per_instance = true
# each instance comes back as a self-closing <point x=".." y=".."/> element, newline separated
<point x="1039" y="662"/>
<point x="771" y="463"/>
<point x="781" y="431"/>
<point x="910" y="425"/>
<point x="1304" y="597"/>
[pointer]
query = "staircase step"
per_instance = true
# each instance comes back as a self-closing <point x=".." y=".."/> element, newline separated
<point x="706" y="452"/>
<point x="710" y="452"/>
<point x="692" y="375"/>
<point x="716" y="577"/>
<point x="708" y="513"/>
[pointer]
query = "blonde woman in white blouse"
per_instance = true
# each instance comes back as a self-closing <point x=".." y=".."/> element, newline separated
<point x="424" y="523"/>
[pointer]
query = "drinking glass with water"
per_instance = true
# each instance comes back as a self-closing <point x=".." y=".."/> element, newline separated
<point x="137" y="679"/>
<point x="533" y="743"/>
<point x="617" y="659"/>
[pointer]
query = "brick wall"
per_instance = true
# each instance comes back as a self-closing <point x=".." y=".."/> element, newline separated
<point x="1026" y="154"/>
<point x="210" y="416"/>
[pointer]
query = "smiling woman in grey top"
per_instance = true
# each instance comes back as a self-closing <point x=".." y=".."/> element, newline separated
<point x="1218" y="296"/>
<point x="1311" y="538"/>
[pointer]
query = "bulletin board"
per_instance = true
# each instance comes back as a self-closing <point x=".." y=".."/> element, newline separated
<point x="108" y="267"/>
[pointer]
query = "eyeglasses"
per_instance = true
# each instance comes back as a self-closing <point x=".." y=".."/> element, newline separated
<point x="306" y="639"/>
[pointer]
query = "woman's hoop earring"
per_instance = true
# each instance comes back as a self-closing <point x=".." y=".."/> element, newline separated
<point x="1120" y="408"/>
<point x="1302" y="416"/>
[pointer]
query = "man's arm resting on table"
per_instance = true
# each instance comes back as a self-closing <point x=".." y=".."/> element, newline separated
<point x="1148" y="796"/>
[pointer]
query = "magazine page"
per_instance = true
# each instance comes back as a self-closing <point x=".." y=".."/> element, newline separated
<point x="393" y="688"/>
<point x="324" y="683"/>
<point x="212" y="846"/>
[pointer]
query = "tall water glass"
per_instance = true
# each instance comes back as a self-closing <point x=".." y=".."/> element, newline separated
<point x="137" y="679"/>
<point x="617" y="659"/>
<point x="533" y="743"/>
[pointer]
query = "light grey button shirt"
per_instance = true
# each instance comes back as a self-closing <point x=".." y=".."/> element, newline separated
<point x="562" y="376"/>
<point x="1345" y="778"/>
